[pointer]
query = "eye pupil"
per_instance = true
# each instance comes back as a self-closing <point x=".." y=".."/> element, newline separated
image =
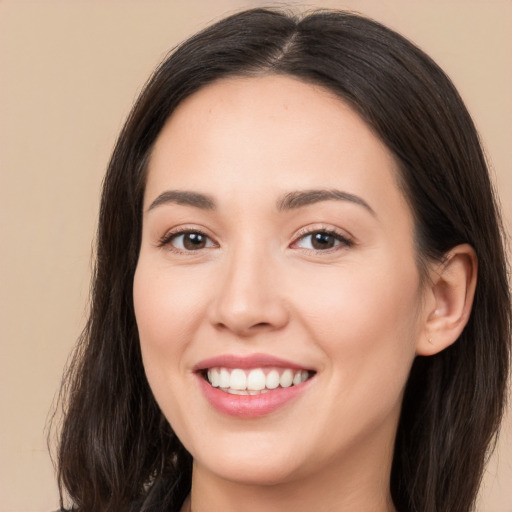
<point x="322" y="241"/>
<point x="194" y="241"/>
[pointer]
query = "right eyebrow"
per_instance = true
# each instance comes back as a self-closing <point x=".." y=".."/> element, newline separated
<point x="184" y="197"/>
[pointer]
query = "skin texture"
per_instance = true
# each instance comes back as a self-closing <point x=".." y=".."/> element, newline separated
<point x="356" y="313"/>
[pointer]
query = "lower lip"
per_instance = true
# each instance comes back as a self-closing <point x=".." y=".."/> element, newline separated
<point x="250" y="406"/>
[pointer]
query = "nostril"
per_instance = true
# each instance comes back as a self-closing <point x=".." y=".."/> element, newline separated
<point x="261" y="325"/>
<point x="243" y="330"/>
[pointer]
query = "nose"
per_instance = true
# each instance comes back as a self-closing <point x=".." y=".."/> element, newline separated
<point x="250" y="298"/>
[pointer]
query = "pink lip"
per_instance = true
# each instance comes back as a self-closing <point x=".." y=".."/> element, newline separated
<point x="250" y="406"/>
<point x="246" y="362"/>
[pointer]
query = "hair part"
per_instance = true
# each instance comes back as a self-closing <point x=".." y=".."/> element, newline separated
<point x="117" y="452"/>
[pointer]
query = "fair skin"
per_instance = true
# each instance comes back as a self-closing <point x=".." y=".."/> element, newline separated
<point x="247" y="264"/>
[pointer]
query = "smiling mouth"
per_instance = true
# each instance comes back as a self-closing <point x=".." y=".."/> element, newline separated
<point x="256" y="381"/>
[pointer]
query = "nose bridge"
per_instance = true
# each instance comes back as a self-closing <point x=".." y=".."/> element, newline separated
<point x="249" y="298"/>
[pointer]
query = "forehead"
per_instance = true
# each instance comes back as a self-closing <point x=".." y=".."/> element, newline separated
<point x="249" y="109"/>
<point x="267" y="135"/>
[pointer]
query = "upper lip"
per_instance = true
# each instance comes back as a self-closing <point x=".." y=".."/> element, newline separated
<point x="247" y="362"/>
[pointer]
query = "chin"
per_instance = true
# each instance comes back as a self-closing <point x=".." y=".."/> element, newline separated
<point x="259" y="466"/>
<point x="253" y="473"/>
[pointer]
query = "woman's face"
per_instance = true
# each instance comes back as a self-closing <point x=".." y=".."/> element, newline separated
<point x="277" y="250"/>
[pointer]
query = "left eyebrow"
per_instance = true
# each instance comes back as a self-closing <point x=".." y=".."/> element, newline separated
<point x="300" y="198"/>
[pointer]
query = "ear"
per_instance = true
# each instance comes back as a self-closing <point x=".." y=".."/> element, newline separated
<point x="450" y="294"/>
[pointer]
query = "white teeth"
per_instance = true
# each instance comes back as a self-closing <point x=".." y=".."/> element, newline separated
<point x="272" y="379"/>
<point x="253" y="382"/>
<point x="224" y="378"/>
<point x="213" y="377"/>
<point x="256" y="380"/>
<point x="238" y="380"/>
<point x="286" y="379"/>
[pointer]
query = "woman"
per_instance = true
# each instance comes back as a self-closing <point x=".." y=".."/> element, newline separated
<point x="300" y="299"/>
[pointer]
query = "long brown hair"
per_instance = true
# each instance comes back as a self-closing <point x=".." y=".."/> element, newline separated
<point x="117" y="452"/>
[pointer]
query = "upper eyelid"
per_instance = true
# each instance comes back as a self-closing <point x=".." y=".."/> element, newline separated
<point x="182" y="230"/>
<point x="346" y="240"/>
<point x="309" y="230"/>
<point x="186" y="228"/>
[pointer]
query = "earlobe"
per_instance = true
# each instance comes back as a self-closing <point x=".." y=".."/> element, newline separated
<point x="451" y="292"/>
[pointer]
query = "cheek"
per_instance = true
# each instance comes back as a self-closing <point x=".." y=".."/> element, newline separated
<point x="167" y="306"/>
<point x="369" y="348"/>
<point x="166" y="310"/>
<point x="367" y="322"/>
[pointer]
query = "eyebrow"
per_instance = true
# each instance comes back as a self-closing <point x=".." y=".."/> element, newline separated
<point x="290" y="201"/>
<point x="184" y="197"/>
<point x="302" y="198"/>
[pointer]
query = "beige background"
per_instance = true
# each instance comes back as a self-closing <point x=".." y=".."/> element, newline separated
<point x="69" y="72"/>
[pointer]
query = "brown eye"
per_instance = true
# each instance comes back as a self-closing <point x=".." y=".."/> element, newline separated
<point x="191" y="241"/>
<point x="322" y="241"/>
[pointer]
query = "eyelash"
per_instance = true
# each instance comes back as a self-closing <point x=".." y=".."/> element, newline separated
<point x="343" y="240"/>
<point x="167" y="239"/>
